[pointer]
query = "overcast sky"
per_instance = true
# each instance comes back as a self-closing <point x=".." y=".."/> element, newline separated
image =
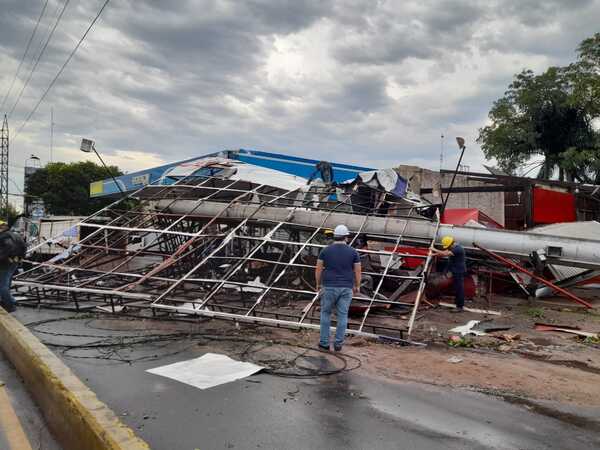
<point x="370" y="82"/>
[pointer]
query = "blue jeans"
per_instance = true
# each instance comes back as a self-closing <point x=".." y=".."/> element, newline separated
<point x="341" y="299"/>
<point x="6" y="275"/>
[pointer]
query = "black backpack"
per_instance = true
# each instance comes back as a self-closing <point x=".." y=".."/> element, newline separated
<point x="12" y="245"/>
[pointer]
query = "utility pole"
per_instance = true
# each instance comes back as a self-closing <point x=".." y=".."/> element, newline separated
<point x="51" y="132"/>
<point x="441" y="152"/>
<point x="4" y="170"/>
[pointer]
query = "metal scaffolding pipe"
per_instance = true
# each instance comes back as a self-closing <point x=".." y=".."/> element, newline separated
<point x="573" y="251"/>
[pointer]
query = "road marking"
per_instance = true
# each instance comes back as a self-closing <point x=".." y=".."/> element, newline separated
<point x="10" y="426"/>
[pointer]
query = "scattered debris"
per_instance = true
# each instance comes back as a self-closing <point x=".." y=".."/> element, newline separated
<point x="516" y="266"/>
<point x="509" y="337"/>
<point x="489" y="326"/>
<point x="565" y="329"/>
<point x="496" y="328"/>
<point x="454" y="360"/>
<point x="467" y="329"/>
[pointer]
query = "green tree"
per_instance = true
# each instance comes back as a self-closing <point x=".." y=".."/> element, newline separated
<point x="585" y="75"/>
<point x="65" y="187"/>
<point x="550" y="115"/>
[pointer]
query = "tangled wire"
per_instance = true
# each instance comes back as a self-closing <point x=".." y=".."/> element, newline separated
<point x="279" y="357"/>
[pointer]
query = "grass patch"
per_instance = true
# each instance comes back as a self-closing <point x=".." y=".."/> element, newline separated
<point x="535" y="313"/>
<point x="456" y="341"/>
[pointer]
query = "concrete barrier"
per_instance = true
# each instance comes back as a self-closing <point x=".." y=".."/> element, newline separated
<point x="77" y="419"/>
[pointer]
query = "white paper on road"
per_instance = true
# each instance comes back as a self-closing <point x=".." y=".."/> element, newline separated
<point x="207" y="371"/>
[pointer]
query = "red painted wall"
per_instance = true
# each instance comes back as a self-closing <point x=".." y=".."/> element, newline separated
<point x="460" y="216"/>
<point x="552" y="206"/>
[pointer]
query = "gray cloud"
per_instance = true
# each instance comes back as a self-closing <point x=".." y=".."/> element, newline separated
<point x="410" y="31"/>
<point x="372" y="82"/>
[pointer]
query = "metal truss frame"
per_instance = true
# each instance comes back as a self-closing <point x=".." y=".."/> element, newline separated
<point x="137" y="254"/>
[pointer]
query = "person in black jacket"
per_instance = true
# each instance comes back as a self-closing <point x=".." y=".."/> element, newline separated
<point x="12" y="252"/>
<point x="457" y="267"/>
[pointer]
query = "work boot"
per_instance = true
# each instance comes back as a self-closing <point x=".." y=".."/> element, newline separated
<point x="337" y="348"/>
<point x="323" y="348"/>
<point x="457" y="310"/>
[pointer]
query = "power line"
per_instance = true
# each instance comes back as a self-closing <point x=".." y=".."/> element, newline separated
<point x="24" y="55"/>
<point x="37" y="61"/>
<point x="15" y="185"/>
<point x="61" y="70"/>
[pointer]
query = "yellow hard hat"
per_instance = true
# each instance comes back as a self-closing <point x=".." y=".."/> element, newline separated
<point x="328" y="231"/>
<point x="447" y="241"/>
<point x="2" y="222"/>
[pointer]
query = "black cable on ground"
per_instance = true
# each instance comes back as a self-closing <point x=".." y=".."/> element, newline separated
<point x="111" y="347"/>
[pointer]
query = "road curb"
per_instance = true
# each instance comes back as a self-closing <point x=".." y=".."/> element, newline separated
<point x="78" y="420"/>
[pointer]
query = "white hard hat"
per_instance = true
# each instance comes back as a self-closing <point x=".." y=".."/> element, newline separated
<point x="341" y="231"/>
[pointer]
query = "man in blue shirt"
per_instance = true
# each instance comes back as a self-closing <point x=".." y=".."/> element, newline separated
<point x="337" y="275"/>
<point x="457" y="267"/>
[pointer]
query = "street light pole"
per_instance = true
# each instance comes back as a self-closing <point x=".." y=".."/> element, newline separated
<point x="461" y="144"/>
<point x="87" y="146"/>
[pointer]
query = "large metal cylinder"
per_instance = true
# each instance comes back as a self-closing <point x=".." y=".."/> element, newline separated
<point x="573" y="251"/>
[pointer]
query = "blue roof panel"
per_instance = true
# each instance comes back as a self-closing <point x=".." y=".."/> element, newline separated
<point x="294" y="165"/>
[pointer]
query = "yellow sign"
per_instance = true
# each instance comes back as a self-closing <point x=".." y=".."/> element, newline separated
<point x="96" y="188"/>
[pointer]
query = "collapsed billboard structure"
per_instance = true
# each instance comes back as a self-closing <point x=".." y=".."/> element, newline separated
<point x="222" y="238"/>
<point x="226" y="239"/>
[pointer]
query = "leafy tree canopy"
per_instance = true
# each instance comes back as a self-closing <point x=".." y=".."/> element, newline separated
<point x="65" y="187"/>
<point x="551" y="115"/>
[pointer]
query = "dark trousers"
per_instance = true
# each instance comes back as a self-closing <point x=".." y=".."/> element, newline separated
<point x="6" y="274"/>
<point x="458" y="280"/>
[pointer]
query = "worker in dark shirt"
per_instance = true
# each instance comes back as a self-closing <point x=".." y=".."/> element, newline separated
<point x="337" y="276"/>
<point x="12" y="252"/>
<point x="457" y="267"/>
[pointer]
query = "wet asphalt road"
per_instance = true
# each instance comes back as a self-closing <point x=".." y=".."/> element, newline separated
<point x="344" y="411"/>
